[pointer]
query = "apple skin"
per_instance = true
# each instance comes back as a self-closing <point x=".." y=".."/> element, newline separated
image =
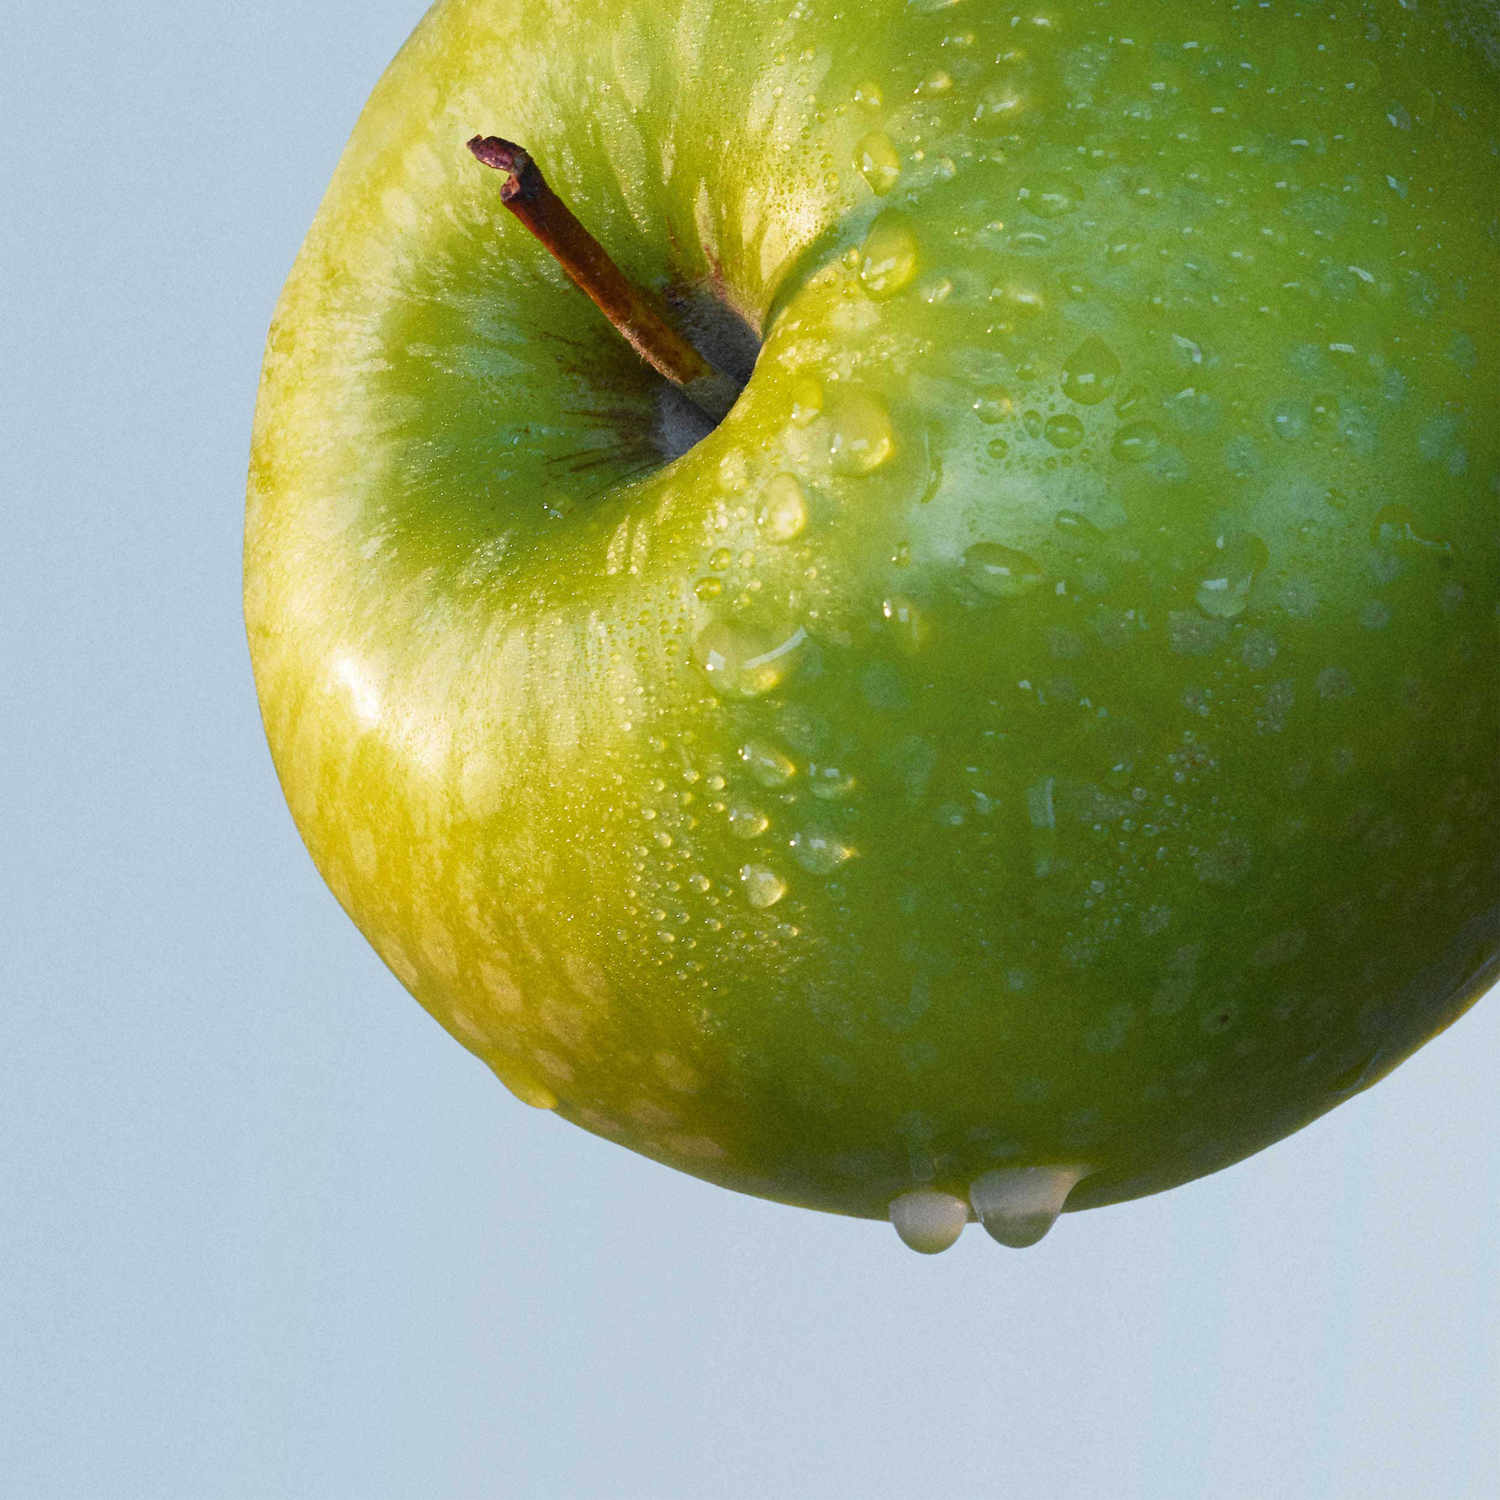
<point x="1055" y="718"/>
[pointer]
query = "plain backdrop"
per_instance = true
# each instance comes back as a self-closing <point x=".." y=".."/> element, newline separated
<point x="265" y="1231"/>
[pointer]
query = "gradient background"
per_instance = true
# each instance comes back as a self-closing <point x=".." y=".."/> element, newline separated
<point x="265" y="1231"/>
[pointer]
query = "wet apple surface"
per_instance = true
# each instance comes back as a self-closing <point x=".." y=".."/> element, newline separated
<point x="1049" y="732"/>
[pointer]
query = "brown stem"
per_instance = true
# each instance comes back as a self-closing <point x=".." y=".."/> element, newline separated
<point x="630" y="308"/>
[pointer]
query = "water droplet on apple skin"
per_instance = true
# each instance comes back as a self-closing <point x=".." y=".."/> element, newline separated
<point x="763" y="886"/>
<point x="888" y="258"/>
<point x="740" y="662"/>
<point x="768" y="766"/>
<point x="1063" y="430"/>
<point x="1136" y="442"/>
<point x="1223" y="593"/>
<point x="818" y="851"/>
<point x="860" y="438"/>
<point x="1018" y="1205"/>
<point x="746" y="821"/>
<point x="1090" y="373"/>
<point x="878" y="162"/>
<point x="929" y="1221"/>
<point x="783" y="511"/>
<point x="1051" y="197"/>
<point x="1001" y="572"/>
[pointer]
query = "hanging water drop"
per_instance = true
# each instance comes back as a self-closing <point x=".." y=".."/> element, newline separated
<point x="929" y="1221"/>
<point x="1018" y="1205"/>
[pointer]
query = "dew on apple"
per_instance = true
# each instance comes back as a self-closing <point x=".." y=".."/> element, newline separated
<point x="768" y="766"/>
<point x="1064" y="430"/>
<point x="888" y="257"/>
<point x="746" y="821"/>
<point x="906" y="620"/>
<point x="1000" y="571"/>
<point x="1018" y="1205"/>
<point x="1224" y="591"/>
<point x="783" y="510"/>
<point x="878" y="162"/>
<point x="819" y="851"/>
<point x="1396" y="525"/>
<point x="763" y="886"/>
<point x="860" y="439"/>
<point x="740" y="662"/>
<point x="994" y="405"/>
<point x="1075" y="524"/>
<point x="1091" y="372"/>
<point x="1051" y="197"/>
<point x="929" y="1221"/>
<point x="830" y="783"/>
<point x="1136" y="442"/>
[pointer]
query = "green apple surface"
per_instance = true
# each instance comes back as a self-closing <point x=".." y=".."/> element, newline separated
<point x="1049" y="732"/>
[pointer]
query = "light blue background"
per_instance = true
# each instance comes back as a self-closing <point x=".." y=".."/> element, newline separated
<point x="266" y="1232"/>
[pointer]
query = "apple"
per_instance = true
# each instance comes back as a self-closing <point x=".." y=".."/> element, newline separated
<point x="1043" y="744"/>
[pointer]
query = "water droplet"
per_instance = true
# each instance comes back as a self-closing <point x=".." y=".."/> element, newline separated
<point x="746" y="821"/>
<point x="1136" y="443"/>
<point x="807" y="402"/>
<point x="937" y="290"/>
<point x="767" y="765"/>
<point x="830" y="783"/>
<point x="708" y="588"/>
<point x="526" y="1088"/>
<point x="1074" y="523"/>
<point x="819" y="852"/>
<point x="1289" y="422"/>
<point x="999" y="571"/>
<point x="720" y="559"/>
<point x="906" y="620"/>
<point x="860" y="437"/>
<point x="997" y="448"/>
<point x="1018" y="1205"/>
<point x="763" y="886"/>
<point x="878" y="163"/>
<point x="1051" y="197"/>
<point x="1064" y="430"/>
<point x="1090" y="373"/>
<point x="888" y="257"/>
<point x="1395" y="525"/>
<point x="868" y="94"/>
<point x="783" y="511"/>
<point x="995" y="405"/>
<point x="1224" y="591"/>
<point x="929" y="1221"/>
<point x="1325" y="411"/>
<point x="743" y="663"/>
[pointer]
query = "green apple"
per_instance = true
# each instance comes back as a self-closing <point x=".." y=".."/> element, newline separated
<point x="1045" y="742"/>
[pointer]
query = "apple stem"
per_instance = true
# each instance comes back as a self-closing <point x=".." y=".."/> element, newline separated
<point x="630" y="308"/>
